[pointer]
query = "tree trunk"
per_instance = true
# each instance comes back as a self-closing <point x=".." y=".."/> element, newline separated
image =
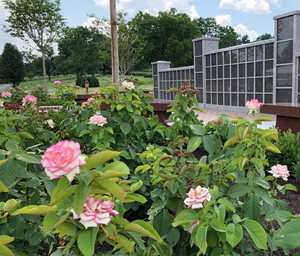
<point x="44" y="71"/>
<point x="49" y="76"/>
<point x="79" y="73"/>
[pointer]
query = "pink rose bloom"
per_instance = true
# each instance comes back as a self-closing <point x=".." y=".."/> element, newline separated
<point x="56" y="82"/>
<point x="30" y="98"/>
<point x="280" y="171"/>
<point x="97" y="91"/>
<point x="98" y="120"/>
<point x="63" y="159"/>
<point x="95" y="211"/>
<point x="85" y="103"/>
<point x="196" y="197"/>
<point x="253" y="104"/>
<point x="90" y="99"/>
<point x="1" y="103"/>
<point x="6" y="94"/>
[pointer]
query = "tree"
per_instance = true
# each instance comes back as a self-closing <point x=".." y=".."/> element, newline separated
<point x="11" y="65"/>
<point x="80" y="48"/>
<point x="264" y="37"/>
<point x="49" y="61"/>
<point x="245" y="40"/>
<point x="167" y="36"/>
<point x="36" y="20"/>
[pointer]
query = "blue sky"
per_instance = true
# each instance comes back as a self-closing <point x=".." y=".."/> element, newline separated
<point x="252" y="17"/>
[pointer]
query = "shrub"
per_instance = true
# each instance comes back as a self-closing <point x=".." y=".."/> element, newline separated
<point x="289" y="145"/>
<point x="41" y="95"/>
<point x="93" y="81"/>
<point x="144" y="74"/>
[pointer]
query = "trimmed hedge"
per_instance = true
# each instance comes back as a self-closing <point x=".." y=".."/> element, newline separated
<point x="144" y="74"/>
<point x="93" y="81"/>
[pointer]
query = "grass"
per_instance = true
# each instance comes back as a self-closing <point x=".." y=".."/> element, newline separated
<point x="103" y="80"/>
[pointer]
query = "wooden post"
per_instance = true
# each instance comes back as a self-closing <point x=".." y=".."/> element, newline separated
<point x="114" y="43"/>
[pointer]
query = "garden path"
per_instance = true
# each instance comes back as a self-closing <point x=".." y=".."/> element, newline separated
<point x="4" y="87"/>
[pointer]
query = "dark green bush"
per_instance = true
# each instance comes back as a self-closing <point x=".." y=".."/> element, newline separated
<point x="289" y="146"/>
<point x="93" y="81"/>
<point x="41" y="95"/>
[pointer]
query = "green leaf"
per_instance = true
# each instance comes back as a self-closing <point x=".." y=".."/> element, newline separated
<point x="210" y="143"/>
<point x="227" y="204"/>
<point x="264" y="194"/>
<point x="125" y="128"/>
<point x="279" y="215"/>
<point x="260" y="182"/>
<point x="251" y="208"/>
<point x="124" y="242"/>
<point x="185" y="217"/>
<point x="81" y="194"/>
<point x="100" y="158"/>
<point x="198" y="129"/>
<point x="162" y="223"/>
<point x="201" y="238"/>
<point x="86" y="241"/>
<point x="194" y="143"/>
<point x="257" y="162"/>
<point x="135" y="197"/>
<point x="5" y="251"/>
<point x="34" y="210"/>
<point x="6" y="239"/>
<point x="263" y="119"/>
<point x="234" y="234"/>
<point x="221" y="213"/>
<point x="216" y="225"/>
<point x="10" y="205"/>
<point x="143" y="228"/>
<point x="290" y="187"/>
<point x="8" y="172"/>
<point x="49" y="221"/>
<point x="87" y="178"/>
<point x="67" y="228"/>
<point x="28" y="158"/>
<point x="25" y="135"/>
<point x="134" y="187"/>
<point x="289" y="235"/>
<point x="116" y="166"/>
<point x="61" y="191"/>
<point x="111" y="187"/>
<point x="238" y="190"/>
<point x="257" y="233"/>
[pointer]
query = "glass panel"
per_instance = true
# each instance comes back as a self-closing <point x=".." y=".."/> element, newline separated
<point x="242" y="85"/>
<point x="207" y="60"/>
<point x="284" y="76"/>
<point x="207" y="73"/>
<point x="171" y="75"/>
<point x="250" y="69"/>
<point x="208" y="98"/>
<point x="269" y="50"/>
<point x="227" y="99"/>
<point x="259" y="68"/>
<point x="220" y="86"/>
<point x="258" y="85"/>
<point x="250" y="96"/>
<point x="213" y="59"/>
<point x="214" y="98"/>
<point x="155" y="69"/>
<point x="213" y="72"/>
<point x="283" y="95"/>
<point x="220" y="58"/>
<point x="226" y="57"/>
<point x="268" y="98"/>
<point x="227" y="85"/>
<point x="156" y="94"/>
<point x="198" y="48"/>
<point x="242" y="70"/>
<point x="208" y="88"/>
<point x="269" y="84"/>
<point x="285" y="28"/>
<point x="226" y="72"/>
<point x="285" y="52"/>
<point x="214" y="85"/>
<point x="199" y="97"/>
<point x="269" y="68"/>
<point x="242" y="56"/>
<point x="234" y="56"/>
<point x="298" y="65"/>
<point x="259" y="52"/>
<point x="298" y="85"/>
<point x="250" y="85"/>
<point x="155" y="82"/>
<point x="233" y="99"/>
<point x="259" y="97"/>
<point x="242" y="100"/>
<point x="220" y="98"/>
<point x="192" y="73"/>
<point x="220" y="72"/>
<point x="234" y="85"/>
<point x="250" y="54"/>
<point x="233" y="71"/>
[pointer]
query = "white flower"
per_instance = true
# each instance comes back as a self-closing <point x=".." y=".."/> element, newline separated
<point x="128" y="85"/>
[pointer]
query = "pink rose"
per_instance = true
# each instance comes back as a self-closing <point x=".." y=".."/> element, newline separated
<point x="253" y="104"/>
<point x="1" y="103"/>
<point x="98" y="120"/>
<point x="6" y="94"/>
<point x="56" y="82"/>
<point x="97" y="91"/>
<point x="63" y="159"/>
<point x="196" y="197"/>
<point x="90" y="99"/>
<point x="95" y="211"/>
<point x="30" y="98"/>
<point x="85" y="103"/>
<point x="280" y="171"/>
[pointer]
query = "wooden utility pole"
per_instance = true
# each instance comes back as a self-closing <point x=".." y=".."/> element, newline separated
<point x="114" y="43"/>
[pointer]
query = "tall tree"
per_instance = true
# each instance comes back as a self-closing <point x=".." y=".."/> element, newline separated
<point x="80" y="47"/>
<point x="264" y="37"/>
<point x="11" y="65"/>
<point x="49" y="61"/>
<point x="37" y="21"/>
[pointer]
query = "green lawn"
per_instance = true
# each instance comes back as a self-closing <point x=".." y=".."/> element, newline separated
<point x="103" y="80"/>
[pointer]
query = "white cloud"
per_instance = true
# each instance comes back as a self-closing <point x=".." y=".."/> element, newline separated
<point x="223" y="20"/>
<point x="243" y="30"/>
<point x="89" y="23"/>
<point x="252" y="6"/>
<point x="153" y="6"/>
